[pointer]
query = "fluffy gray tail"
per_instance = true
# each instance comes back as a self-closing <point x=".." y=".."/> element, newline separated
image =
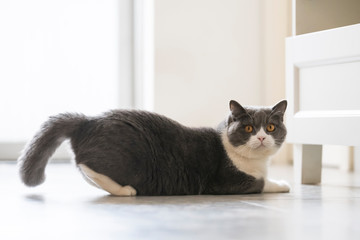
<point x="36" y="154"/>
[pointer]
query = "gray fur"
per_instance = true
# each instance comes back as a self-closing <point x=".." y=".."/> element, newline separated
<point x="153" y="154"/>
<point x="36" y="154"/>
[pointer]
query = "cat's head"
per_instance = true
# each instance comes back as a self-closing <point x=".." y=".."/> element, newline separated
<point x="255" y="132"/>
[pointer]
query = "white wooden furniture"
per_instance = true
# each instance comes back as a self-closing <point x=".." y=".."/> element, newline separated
<point x="323" y="91"/>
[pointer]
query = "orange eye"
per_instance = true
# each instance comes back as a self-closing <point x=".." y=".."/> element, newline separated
<point x="270" y="127"/>
<point x="248" y="128"/>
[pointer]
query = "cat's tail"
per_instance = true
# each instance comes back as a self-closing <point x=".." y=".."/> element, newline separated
<point x="36" y="154"/>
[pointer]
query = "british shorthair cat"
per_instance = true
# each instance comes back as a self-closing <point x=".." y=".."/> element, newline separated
<point x="130" y="153"/>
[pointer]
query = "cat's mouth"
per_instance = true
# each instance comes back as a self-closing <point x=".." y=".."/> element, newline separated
<point x="261" y="146"/>
<point x="260" y="142"/>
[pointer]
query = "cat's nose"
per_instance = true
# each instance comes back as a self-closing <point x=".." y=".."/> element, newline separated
<point x="261" y="139"/>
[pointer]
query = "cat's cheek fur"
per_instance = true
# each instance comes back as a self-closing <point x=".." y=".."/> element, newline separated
<point x="252" y="149"/>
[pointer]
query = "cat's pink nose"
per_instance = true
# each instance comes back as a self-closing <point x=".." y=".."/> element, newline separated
<point x="261" y="139"/>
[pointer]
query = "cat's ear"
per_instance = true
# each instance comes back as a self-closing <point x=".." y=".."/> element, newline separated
<point x="236" y="109"/>
<point x="279" y="108"/>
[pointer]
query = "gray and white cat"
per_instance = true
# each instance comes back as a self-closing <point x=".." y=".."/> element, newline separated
<point x="140" y="153"/>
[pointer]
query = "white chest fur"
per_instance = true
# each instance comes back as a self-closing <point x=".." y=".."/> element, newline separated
<point x="245" y="159"/>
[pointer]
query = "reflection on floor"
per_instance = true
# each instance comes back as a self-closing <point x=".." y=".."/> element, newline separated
<point x="66" y="207"/>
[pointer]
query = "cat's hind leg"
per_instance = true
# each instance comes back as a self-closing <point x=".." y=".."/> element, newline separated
<point x="276" y="186"/>
<point x="105" y="182"/>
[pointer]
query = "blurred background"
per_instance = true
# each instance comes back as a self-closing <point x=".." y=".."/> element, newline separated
<point x="182" y="58"/>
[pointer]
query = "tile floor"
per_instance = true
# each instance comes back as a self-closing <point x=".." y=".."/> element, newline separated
<point x="66" y="207"/>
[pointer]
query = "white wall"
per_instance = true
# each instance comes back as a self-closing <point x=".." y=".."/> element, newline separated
<point x="276" y="27"/>
<point x="207" y="52"/>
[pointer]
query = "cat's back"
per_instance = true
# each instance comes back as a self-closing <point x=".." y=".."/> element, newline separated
<point x="124" y="127"/>
<point x="143" y="120"/>
<point x="152" y="129"/>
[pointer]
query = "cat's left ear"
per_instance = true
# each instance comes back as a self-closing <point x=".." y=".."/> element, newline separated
<point x="279" y="108"/>
<point x="236" y="109"/>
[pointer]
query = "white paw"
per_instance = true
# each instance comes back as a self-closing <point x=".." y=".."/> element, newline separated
<point x="123" y="191"/>
<point x="276" y="186"/>
<point x="283" y="186"/>
<point x="129" y="191"/>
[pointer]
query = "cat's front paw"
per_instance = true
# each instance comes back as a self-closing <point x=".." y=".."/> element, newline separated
<point x="276" y="186"/>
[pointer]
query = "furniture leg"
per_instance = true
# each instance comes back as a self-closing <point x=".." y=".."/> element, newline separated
<point x="307" y="163"/>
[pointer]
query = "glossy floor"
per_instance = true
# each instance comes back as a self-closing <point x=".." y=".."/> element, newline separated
<point x="66" y="207"/>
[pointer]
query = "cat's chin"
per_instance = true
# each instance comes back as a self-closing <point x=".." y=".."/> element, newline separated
<point x="256" y="152"/>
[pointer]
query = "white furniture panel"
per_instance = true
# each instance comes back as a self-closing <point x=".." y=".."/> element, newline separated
<point x="329" y="87"/>
<point x="323" y="86"/>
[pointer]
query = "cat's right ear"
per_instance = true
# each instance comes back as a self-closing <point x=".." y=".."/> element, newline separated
<point x="236" y="109"/>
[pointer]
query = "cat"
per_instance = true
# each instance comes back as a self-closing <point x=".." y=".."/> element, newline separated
<point x="130" y="152"/>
